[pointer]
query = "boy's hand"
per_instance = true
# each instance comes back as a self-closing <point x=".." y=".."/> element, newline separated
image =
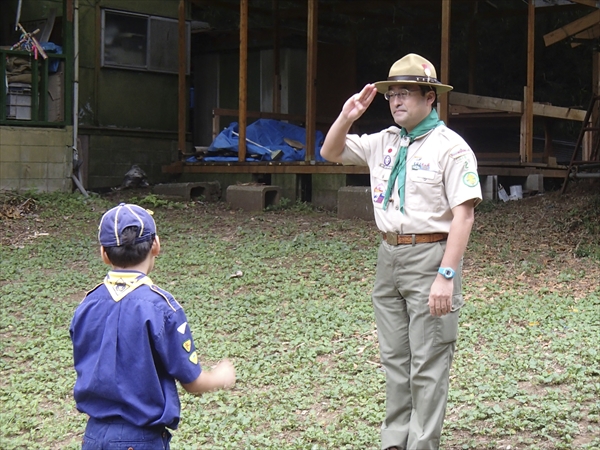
<point x="222" y="376"/>
<point x="225" y="373"/>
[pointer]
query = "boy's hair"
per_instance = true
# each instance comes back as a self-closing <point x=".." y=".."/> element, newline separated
<point x="129" y="253"/>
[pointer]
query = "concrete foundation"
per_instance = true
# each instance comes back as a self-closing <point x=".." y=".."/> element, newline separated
<point x="489" y="187"/>
<point x="325" y="190"/>
<point x="355" y="202"/>
<point x="534" y="183"/>
<point x="251" y="197"/>
<point x="209" y="190"/>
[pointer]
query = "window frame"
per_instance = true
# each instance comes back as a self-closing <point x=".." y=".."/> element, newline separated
<point x="149" y="43"/>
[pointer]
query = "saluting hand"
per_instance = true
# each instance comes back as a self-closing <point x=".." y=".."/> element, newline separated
<point x="356" y="105"/>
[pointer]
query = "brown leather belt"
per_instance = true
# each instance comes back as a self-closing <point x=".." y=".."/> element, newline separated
<point x="412" y="239"/>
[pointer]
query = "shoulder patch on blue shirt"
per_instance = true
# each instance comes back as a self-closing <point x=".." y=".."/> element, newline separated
<point x="173" y="304"/>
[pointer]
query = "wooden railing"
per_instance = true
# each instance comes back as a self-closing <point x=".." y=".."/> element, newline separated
<point x="38" y="108"/>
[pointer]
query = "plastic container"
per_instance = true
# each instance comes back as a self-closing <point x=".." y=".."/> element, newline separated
<point x="18" y="101"/>
<point x="516" y="192"/>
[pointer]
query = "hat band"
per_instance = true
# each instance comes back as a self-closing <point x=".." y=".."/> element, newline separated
<point x="414" y="79"/>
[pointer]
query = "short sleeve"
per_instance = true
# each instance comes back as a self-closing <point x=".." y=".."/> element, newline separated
<point x="177" y="349"/>
<point x="460" y="177"/>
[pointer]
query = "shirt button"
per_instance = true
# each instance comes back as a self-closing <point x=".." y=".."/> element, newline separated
<point x="397" y="208"/>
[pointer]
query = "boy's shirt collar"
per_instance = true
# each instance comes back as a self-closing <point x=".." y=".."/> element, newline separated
<point x="120" y="283"/>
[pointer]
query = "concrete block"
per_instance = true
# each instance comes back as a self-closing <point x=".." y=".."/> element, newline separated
<point x="10" y="153"/>
<point x="251" y="197"/>
<point x="355" y="202"/>
<point x="34" y="153"/>
<point x="534" y="183"/>
<point x="489" y="187"/>
<point x="209" y="190"/>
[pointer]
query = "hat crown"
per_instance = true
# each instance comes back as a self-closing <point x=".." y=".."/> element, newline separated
<point x="115" y="220"/>
<point x="413" y="65"/>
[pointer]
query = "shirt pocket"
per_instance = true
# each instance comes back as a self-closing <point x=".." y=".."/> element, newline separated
<point x="379" y="183"/>
<point x="424" y="189"/>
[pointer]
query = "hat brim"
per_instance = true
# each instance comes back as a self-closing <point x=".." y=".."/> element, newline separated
<point x="383" y="86"/>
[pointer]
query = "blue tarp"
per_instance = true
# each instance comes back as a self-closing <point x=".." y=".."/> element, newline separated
<point x="267" y="133"/>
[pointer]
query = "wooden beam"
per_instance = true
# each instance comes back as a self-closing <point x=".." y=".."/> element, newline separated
<point x="572" y="28"/>
<point x="311" y="79"/>
<point x="262" y="167"/>
<point x="477" y="101"/>
<point x="558" y="112"/>
<point x="590" y="33"/>
<point x="592" y="3"/>
<point x="513" y="106"/>
<point x="182" y="64"/>
<point x="243" y="76"/>
<point x="445" y="58"/>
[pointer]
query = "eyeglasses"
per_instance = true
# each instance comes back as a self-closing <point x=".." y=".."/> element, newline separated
<point x="402" y="93"/>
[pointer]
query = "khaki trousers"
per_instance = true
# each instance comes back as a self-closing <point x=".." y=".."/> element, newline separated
<point x="416" y="348"/>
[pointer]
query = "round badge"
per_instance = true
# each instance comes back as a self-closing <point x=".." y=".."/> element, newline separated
<point x="387" y="160"/>
<point x="471" y="179"/>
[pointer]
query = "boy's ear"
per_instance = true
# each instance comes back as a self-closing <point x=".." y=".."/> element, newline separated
<point x="104" y="256"/>
<point x="155" y="246"/>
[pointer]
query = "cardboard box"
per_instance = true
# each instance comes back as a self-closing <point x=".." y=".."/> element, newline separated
<point x="56" y="95"/>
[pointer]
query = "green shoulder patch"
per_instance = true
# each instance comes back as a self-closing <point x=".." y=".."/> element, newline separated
<point x="471" y="179"/>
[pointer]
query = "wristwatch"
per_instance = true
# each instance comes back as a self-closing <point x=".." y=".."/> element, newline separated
<point x="447" y="272"/>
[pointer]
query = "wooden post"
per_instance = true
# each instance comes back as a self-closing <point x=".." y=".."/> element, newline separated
<point x="526" y="147"/>
<point x="276" y="59"/>
<point x="588" y="141"/>
<point x="443" y="102"/>
<point x="243" y="92"/>
<point x="181" y="116"/>
<point x="311" y="80"/>
<point x="473" y="49"/>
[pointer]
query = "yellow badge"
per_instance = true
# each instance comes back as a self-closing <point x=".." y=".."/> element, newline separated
<point x="187" y="345"/>
<point x="194" y="358"/>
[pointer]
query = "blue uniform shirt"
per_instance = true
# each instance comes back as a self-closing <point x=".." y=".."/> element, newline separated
<point x="131" y="341"/>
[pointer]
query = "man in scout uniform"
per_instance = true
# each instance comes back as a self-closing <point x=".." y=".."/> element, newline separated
<point x="424" y="187"/>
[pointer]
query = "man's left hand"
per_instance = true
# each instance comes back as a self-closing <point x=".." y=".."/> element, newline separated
<point x="440" y="296"/>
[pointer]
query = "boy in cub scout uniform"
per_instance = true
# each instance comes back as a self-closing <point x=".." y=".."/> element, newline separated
<point x="424" y="187"/>
<point x="132" y="341"/>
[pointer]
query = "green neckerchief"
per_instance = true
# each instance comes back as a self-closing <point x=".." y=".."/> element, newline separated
<point x="399" y="169"/>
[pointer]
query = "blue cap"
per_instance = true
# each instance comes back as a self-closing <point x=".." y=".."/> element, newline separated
<point x="114" y="221"/>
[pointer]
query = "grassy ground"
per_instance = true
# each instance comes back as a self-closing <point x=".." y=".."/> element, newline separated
<point x="299" y="327"/>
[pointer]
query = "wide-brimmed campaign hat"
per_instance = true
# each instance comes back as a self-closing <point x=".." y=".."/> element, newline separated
<point x="412" y="69"/>
<point x="114" y="221"/>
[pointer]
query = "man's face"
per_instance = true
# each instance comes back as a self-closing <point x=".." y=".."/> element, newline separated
<point x="409" y="107"/>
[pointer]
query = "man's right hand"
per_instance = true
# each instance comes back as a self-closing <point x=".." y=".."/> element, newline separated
<point x="356" y="105"/>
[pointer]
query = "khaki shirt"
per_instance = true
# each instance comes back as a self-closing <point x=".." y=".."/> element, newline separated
<point x="441" y="173"/>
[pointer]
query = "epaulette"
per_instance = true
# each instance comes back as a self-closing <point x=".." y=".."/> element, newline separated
<point x="173" y="304"/>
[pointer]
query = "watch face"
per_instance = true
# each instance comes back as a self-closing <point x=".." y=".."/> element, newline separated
<point x="446" y="272"/>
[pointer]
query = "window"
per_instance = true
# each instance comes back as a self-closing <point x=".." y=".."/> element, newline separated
<point x="142" y="42"/>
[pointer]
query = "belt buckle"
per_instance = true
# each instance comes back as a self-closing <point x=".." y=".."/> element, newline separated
<point x="391" y="238"/>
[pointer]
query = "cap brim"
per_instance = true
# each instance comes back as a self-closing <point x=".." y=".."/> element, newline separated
<point x="383" y="86"/>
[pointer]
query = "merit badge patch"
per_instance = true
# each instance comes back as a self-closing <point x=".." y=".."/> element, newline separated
<point x="194" y="358"/>
<point x="378" y="194"/>
<point x="187" y="345"/>
<point x="387" y="161"/>
<point x="471" y="179"/>
<point x="181" y="328"/>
